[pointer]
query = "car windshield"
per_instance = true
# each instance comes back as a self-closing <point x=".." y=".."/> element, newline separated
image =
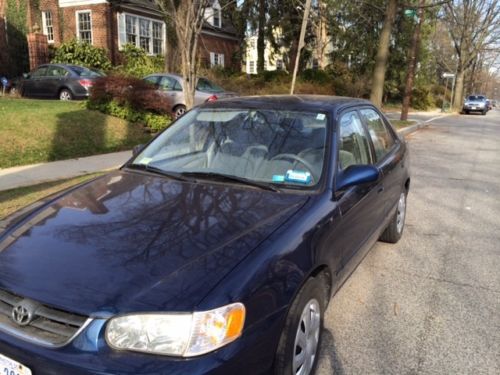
<point x="476" y="98"/>
<point x="206" y="86"/>
<point x="85" y="72"/>
<point x="273" y="147"/>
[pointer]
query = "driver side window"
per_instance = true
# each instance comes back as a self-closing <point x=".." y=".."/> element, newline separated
<point x="354" y="147"/>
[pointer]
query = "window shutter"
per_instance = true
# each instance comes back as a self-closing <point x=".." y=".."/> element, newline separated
<point x="122" y="32"/>
<point x="221" y="60"/>
<point x="212" y="59"/>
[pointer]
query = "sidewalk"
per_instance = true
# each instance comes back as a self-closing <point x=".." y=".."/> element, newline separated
<point x="27" y="175"/>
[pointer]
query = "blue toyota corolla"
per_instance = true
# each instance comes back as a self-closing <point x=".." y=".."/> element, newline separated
<point x="214" y="250"/>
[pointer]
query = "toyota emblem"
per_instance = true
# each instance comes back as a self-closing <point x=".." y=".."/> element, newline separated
<point x="23" y="312"/>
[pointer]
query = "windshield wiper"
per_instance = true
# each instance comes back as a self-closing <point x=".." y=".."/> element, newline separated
<point x="159" y="171"/>
<point x="231" y="178"/>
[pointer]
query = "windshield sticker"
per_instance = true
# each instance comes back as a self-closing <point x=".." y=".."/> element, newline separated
<point x="145" y="161"/>
<point x="301" y="177"/>
<point x="278" y="178"/>
<point x="320" y="116"/>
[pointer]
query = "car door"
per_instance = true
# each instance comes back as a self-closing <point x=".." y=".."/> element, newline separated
<point x="30" y="86"/>
<point x="361" y="206"/>
<point x="172" y="89"/>
<point x="53" y="80"/>
<point x="388" y="158"/>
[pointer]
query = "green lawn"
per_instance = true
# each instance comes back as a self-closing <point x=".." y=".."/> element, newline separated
<point x="14" y="199"/>
<point x="34" y="131"/>
<point x="399" y="124"/>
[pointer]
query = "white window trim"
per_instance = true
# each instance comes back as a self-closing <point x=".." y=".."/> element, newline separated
<point x="78" y="25"/>
<point x="216" y="56"/>
<point x="44" y="25"/>
<point x="138" y="31"/>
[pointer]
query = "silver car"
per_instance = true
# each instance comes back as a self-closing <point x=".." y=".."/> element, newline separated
<point x="171" y="85"/>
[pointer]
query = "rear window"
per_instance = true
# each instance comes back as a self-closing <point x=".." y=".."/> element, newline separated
<point x="476" y="98"/>
<point x="85" y="72"/>
<point x="206" y="86"/>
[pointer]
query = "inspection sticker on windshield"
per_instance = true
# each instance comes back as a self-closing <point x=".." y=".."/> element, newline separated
<point x="302" y="177"/>
<point x="320" y="116"/>
<point x="145" y="161"/>
<point x="278" y="178"/>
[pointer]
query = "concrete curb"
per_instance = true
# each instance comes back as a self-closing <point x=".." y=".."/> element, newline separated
<point x="420" y="125"/>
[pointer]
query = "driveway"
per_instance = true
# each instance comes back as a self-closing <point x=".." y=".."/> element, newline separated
<point x="431" y="303"/>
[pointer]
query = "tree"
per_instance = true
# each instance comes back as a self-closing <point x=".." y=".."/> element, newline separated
<point x="186" y="17"/>
<point x="383" y="53"/>
<point x="474" y="25"/>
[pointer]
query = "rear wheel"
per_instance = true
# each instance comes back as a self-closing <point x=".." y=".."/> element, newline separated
<point x="298" y="348"/>
<point x="179" y="110"/>
<point x="65" y="95"/>
<point x="394" y="230"/>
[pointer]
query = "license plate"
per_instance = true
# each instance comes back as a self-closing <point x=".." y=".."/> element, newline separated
<point x="472" y="107"/>
<point x="10" y="367"/>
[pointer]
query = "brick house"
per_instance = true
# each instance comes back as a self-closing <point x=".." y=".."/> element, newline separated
<point x="110" y="24"/>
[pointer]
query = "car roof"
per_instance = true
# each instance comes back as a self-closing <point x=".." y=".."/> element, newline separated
<point x="290" y="102"/>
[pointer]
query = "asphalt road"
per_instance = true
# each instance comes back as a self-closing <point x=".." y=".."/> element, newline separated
<point x="431" y="303"/>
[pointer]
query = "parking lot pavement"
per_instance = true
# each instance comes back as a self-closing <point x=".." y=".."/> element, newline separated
<point x="431" y="303"/>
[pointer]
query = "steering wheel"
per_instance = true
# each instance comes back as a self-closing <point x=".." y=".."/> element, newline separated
<point x="297" y="159"/>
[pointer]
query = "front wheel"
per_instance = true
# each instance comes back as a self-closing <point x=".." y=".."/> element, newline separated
<point x="179" y="110"/>
<point x="298" y="348"/>
<point x="394" y="230"/>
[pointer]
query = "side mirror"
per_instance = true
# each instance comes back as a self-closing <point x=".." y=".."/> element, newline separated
<point x="26" y="75"/>
<point x="357" y="175"/>
<point x="137" y="150"/>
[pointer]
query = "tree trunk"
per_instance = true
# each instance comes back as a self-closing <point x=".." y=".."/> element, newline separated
<point x="459" y="90"/>
<point x="412" y="63"/>
<point x="261" y="41"/>
<point x="383" y="54"/>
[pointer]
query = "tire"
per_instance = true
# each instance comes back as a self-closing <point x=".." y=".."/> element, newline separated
<point x="484" y="112"/>
<point x="179" y="110"/>
<point x="296" y="338"/>
<point x="394" y="230"/>
<point x="65" y="95"/>
<point x="466" y="112"/>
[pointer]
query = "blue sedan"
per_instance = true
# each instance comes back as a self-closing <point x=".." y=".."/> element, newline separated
<point x="214" y="250"/>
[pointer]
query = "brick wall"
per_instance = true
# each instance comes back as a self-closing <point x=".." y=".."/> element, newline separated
<point x="52" y="7"/>
<point x="38" y="49"/>
<point x="100" y="17"/>
<point x="210" y="43"/>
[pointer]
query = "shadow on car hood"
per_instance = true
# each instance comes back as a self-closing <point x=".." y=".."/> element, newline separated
<point x="133" y="242"/>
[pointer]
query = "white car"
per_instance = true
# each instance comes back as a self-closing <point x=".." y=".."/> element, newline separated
<point x="171" y="85"/>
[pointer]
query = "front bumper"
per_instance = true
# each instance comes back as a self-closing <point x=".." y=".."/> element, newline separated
<point x="88" y="353"/>
<point x="474" y="108"/>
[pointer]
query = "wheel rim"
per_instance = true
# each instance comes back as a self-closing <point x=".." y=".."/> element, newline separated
<point x="65" y="95"/>
<point x="400" y="218"/>
<point x="307" y="338"/>
<point x="179" y="111"/>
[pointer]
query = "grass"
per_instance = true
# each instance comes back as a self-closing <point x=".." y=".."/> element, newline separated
<point x="34" y="131"/>
<point x="14" y="199"/>
<point x="398" y="124"/>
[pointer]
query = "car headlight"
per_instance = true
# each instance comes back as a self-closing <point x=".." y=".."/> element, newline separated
<point x="181" y="334"/>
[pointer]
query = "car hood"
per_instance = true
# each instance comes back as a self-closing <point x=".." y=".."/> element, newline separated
<point x="130" y="241"/>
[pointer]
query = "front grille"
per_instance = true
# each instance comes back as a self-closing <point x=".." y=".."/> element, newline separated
<point x="49" y="326"/>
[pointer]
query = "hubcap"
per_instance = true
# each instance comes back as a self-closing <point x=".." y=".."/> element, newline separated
<point x="306" y="338"/>
<point x="400" y="218"/>
<point x="179" y="112"/>
<point x="65" y="95"/>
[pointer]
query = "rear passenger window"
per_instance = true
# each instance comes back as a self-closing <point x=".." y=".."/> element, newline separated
<point x="354" y="144"/>
<point x="381" y="136"/>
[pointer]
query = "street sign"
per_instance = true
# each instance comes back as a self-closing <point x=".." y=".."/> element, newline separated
<point x="448" y="75"/>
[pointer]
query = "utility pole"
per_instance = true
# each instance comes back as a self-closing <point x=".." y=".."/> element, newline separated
<point x="301" y="44"/>
<point x="413" y="59"/>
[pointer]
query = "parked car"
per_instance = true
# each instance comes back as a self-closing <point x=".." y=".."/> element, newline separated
<point x="171" y="85"/>
<point x="214" y="249"/>
<point x="66" y="82"/>
<point x="489" y="106"/>
<point x="475" y="103"/>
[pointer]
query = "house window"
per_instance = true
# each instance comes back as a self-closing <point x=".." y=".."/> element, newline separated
<point x="131" y="29"/>
<point x="217" y="17"/>
<point x="157" y="38"/>
<point x="145" y="34"/>
<point x="142" y="32"/>
<point x="48" y="26"/>
<point x="251" y="67"/>
<point x="84" y="26"/>
<point x="216" y="59"/>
